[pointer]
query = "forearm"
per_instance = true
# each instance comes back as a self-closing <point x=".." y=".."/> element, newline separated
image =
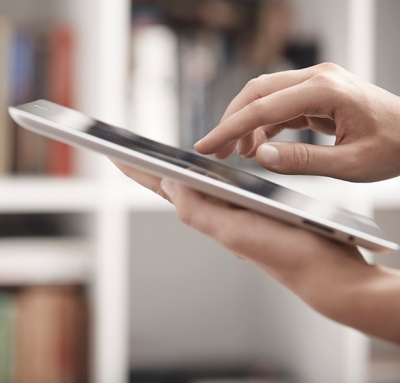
<point x="361" y="296"/>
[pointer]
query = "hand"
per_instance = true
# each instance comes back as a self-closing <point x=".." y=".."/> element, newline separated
<point x="332" y="278"/>
<point x="247" y="234"/>
<point x="325" y="98"/>
<point x="250" y="236"/>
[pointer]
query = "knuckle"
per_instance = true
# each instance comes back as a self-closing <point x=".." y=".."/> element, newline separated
<point x="330" y="67"/>
<point x="262" y="78"/>
<point x="254" y="85"/>
<point x="330" y="82"/>
<point x="257" y="105"/>
<point x="325" y="79"/>
<point x="300" y="158"/>
<point x="255" y="109"/>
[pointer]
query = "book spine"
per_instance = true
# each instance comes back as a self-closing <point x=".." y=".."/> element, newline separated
<point x="40" y="92"/>
<point x="7" y="319"/>
<point x="60" y="87"/>
<point x="48" y="334"/>
<point x="22" y="91"/>
<point x="199" y="56"/>
<point x="5" y="121"/>
<point x="154" y="105"/>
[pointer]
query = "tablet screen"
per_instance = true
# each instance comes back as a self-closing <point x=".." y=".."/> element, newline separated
<point x="216" y="170"/>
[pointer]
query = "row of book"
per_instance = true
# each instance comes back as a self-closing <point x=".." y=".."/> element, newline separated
<point x="191" y="58"/>
<point x="43" y="335"/>
<point x="182" y="79"/>
<point x="35" y="63"/>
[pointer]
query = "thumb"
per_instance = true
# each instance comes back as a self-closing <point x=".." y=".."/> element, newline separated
<point x="298" y="158"/>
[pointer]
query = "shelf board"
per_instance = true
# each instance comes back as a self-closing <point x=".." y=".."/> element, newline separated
<point x="34" y="194"/>
<point x="58" y="195"/>
<point x="31" y="261"/>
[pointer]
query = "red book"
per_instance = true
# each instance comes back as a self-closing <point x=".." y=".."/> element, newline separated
<point x="61" y="92"/>
<point x="51" y="336"/>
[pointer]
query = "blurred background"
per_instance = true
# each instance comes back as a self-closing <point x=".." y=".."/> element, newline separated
<point x="99" y="282"/>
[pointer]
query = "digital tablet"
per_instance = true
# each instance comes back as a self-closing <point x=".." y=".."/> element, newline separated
<point x="201" y="174"/>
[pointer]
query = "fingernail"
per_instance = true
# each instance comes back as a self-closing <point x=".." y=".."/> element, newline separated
<point x="269" y="154"/>
<point x="168" y="187"/>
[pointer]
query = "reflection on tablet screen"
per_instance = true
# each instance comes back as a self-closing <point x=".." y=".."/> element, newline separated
<point x="215" y="170"/>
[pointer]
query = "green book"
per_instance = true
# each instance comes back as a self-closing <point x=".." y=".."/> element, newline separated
<point x="7" y="343"/>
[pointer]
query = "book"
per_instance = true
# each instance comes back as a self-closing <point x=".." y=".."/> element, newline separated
<point x="199" y="62"/>
<point x="41" y="69"/>
<point x="60" y="91"/>
<point x="51" y="335"/>
<point x="41" y="66"/>
<point x="23" y="63"/>
<point x="37" y="335"/>
<point x="7" y="333"/>
<point x="154" y="99"/>
<point x="221" y="46"/>
<point x="6" y="32"/>
<point x="28" y="82"/>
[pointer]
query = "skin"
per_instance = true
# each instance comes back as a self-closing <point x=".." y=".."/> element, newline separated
<point x="332" y="278"/>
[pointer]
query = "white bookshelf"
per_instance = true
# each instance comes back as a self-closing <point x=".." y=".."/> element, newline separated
<point x="103" y="259"/>
<point x="32" y="261"/>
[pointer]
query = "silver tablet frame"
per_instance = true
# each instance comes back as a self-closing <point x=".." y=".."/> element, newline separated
<point x="35" y="116"/>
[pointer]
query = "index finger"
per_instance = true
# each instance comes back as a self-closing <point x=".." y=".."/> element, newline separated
<point x="267" y="84"/>
<point x="310" y="98"/>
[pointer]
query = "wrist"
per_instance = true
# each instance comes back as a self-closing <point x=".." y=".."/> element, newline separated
<point x="358" y="295"/>
<point x="330" y="285"/>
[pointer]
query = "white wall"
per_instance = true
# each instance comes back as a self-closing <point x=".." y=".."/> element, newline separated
<point x="193" y="303"/>
<point x="388" y="45"/>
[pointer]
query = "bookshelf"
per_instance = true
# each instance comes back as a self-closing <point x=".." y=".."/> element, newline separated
<point x="101" y="258"/>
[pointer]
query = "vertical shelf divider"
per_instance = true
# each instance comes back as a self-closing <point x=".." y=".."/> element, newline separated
<point x="111" y="291"/>
<point x="361" y="38"/>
